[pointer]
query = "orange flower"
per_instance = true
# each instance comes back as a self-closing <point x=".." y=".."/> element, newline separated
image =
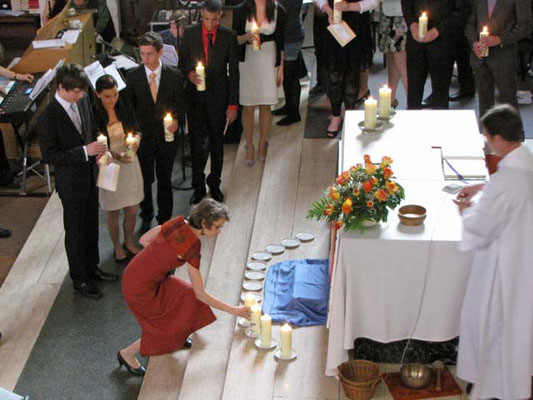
<point x="356" y="192"/>
<point x="343" y="178"/>
<point x="354" y="168"/>
<point x="391" y="187"/>
<point x="334" y="193"/>
<point x="381" y="195"/>
<point x="385" y="162"/>
<point x="367" y="186"/>
<point x="370" y="169"/>
<point x="347" y="206"/>
<point x="338" y="224"/>
<point x="370" y="204"/>
<point x="373" y="181"/>
<point x="387" y="173"/>
<point x="329" y="209"/>
<point x="366" y="157"/>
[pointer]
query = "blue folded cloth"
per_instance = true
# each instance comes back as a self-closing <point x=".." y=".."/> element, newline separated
<point x="296" y="291"/>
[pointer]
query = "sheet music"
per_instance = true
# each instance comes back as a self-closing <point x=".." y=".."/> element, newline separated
<point x="124" y="62"/>
<point x="71" y="36"/>
<point x="169" y="57"/>
<point x="46" y="44"/>
<point x="95" y="71"/>
<point x="112" y="70"/>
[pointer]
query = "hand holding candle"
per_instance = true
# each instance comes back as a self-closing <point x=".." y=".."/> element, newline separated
<point x="385" y="101"/>
<point x="266" y="330"/>
<point x="167" y="122"/>
<point x="200" y="71"/>
<point x="256" y="43"/>
<point x="286" y="341"/>
<point x="483" y="35"/>
<point x="256" y="319"/>
<point x="249" y="300"/>
<point x="370" y="113"/>
<point x="102" y="139"/>
<point x="422" y="25"/>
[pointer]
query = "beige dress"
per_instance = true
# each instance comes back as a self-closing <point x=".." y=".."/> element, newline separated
<point x="130" y="182"/>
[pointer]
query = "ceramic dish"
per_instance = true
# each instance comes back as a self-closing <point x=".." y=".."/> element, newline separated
<point x="275" y="248"/>
<point x="251" y="285"/>
<point x="256" y="266"/>
<point x="412" y="215"/>
<point x="305" y="236"/>
<point x="278" y="355"/>
<point x="258" y="296"/>
<point x="262" y="256"/>
<point x="254" y="275"/>
<point x="290" y="243"/>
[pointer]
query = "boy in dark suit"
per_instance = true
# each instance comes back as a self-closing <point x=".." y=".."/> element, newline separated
<point x="154" y="89"/>
<point x="216" y="47"/>
<point x="67" y="140"/>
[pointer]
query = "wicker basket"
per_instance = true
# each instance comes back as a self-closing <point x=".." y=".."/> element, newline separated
<point x="359" y="379"/>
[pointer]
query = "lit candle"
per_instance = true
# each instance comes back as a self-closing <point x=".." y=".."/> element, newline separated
<point x="286" y="341"/>
<point x="249" y="300"/>
<point x="102" y="139"/>
<point x="337" y="14"/>
<point x="256" y="319"/>
<point x="200" y="71"/>
<point x="484" y="34"/>
<point x="130" y="142"/>
<point x="422" y="25"/>
<point x="384" y="101"/>
<point x="371" y="106"/>
<point x="167" y="121"/>
<point x="266" y="330"/>
<point x="256" y="42"/>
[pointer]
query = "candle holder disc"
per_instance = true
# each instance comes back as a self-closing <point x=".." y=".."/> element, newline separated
<point x="379" y="126"/>
<point x="259" y="344"/>
<point x="278" y="355"/>
<point x="250" y="333"/>
<point x="243" y="323"/>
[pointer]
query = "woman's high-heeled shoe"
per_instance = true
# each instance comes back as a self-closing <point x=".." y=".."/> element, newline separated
<point x="247" y="162"/>
<point x="394" y="103"/>
<point x="128" y="250"/>
<point x="135" y="371"/>
<point x="263" y="159"/>
<point x="120" y="260"/>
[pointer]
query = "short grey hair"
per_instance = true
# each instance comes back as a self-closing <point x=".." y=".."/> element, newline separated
<point x="207" y="210"/>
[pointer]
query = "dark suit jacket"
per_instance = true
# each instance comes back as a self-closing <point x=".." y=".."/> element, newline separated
<point x="222" y="72"/>
<point x="170" y="98"/>
<point x="62" y="145"/>
<point x="510" y="19"/>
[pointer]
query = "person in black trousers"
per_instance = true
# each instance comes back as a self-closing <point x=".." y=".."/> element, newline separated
<point x="216" y="47"/>
<point x="153" y="90"/>
<point x="434" y="53"/>
<point x="67" y="140"/>
<point x="467" y="85"/>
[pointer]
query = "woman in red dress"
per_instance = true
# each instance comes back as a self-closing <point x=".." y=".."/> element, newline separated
<point x="167" y="308"/>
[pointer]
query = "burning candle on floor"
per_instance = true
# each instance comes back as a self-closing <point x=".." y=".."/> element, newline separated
<point x="286" y="341"/>
<point x="256" y="319"/>
<point x="370" y="113"/>
<point x="249" y="300"/>
<point x="384" y="101"/>
<point x="266" y="330"/>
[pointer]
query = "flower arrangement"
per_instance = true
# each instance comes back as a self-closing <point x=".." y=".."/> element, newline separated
<point x="362" y="194"/>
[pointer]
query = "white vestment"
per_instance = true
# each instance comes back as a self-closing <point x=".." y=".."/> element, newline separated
<point x="496" y="334"/>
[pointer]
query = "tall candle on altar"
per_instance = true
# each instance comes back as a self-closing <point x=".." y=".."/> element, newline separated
<point x="384" y="101"/>
<point x="256" y="319"/>
<point x="422" y="25"/>
<point x="286" y="341"/>
<point x="130" y="142"/>
<point x="249" y="300"/>
<point x="167" y="121"/>
<point x="200" y="71"/>
<point x="484" y="34"/>
<point x="337" y="14"/>
<point x="256" y="42"/>
<point x="266" y="330"/>
<point x="371" y="106"/>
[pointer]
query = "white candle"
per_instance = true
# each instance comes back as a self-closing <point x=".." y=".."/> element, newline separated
<point x="200" y="71"/>
<point x="102" y="139"/>
<point x="249" y="300"/>
<point x="167" y="121"/>
<point x="286" y="341"/>
<point x="484" y="34"/>
<point x="256" y="319"/>
<point x="422" y="25"/>
<point x="256" y="43"/>
<point x="337" y="14"/>
<point x="384" y="101"/>
<point x="266" y="330"/>
<point x="371" y="106"/>
<point x="130" y="142"/>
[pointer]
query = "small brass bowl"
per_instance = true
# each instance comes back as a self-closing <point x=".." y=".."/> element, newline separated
<point x="416" y="376"/>
<point x="412" y="215"/>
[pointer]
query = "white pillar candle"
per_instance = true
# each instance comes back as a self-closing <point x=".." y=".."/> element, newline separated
<point x="101" y="139"/>
<point x="371" y="106"/>
<point x="423" y="25"/>
<point x="200" y="71"/>
<point x="484" y="34"/>
<point x="286" y="341"/>
<point x="256" y="43"/>
<point x="130" y="142"/>
<point x="384" y="101"/>
<point x="167" y="121"/>
<point x="337" y="14"/>
<point x="256" y="319"/>
<point x="249" y="300"/>
<point x="266" y="330"/>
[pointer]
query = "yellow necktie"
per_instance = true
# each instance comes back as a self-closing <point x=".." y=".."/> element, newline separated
<point x="153" y="86"/>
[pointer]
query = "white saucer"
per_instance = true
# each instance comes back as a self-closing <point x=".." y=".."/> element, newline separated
<point x="277" y="354"/>
<point x="262" y="256"/>
<point x="258" y="296"/>
<point x="243" y="323"/>
<point x="256" y="266"/>
<point x="249" y="332"/>
<point x="275" y="248"/>
<point x="290" y="243"/>
<point x="259" y="345"/>
<point x="379" y="125"/>
<point x="254" y="275"/>
<point x="305" y="236"/>
<point x="252" y="285"/>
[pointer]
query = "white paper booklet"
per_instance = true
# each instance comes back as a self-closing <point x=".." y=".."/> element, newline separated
<point x="108" y="177"/>
<point x="46" y="44"/>
<point x="342" y="33"/>
<point x="169" y="57"/>
<point x="95" y="71"/>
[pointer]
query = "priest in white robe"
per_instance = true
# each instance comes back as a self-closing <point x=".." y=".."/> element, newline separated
<point x="496" y="333"/>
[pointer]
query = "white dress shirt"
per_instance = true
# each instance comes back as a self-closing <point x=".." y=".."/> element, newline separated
<point x="66" y="105"/>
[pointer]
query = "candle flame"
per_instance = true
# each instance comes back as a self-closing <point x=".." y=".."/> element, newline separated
<point x="199" y="64"/>
<point x="485" y="29"/>
<point x="168" y="117"/>
<point x="254" y="26"/>
<point x="424" y="15"/>
<point x="130" y="134"/>
<point x="385" y="86"/>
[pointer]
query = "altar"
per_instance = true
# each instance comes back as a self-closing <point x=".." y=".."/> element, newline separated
<point x="395" y="282"/>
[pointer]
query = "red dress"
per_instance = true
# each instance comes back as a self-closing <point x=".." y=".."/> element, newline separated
<point x="165" y="306"/>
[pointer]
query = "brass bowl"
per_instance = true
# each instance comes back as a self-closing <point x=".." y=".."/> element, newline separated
<point x="412" y="215"/>
<point x="416" y="376"/>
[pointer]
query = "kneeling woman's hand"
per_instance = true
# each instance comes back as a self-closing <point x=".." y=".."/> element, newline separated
<point x="243" y="312"/>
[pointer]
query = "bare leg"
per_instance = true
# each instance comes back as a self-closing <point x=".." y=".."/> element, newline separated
<point x="114" y="233"/>
<point x="363" y="83"/>
<point x="393" y="74"/>
<point x="265" y="122"/>
<point x="248" y="129"/>
<point x="130" y="217"/>
<point x="130" y="353"/>
<point x="400" y="61"/>
<point x="334" y="123"/>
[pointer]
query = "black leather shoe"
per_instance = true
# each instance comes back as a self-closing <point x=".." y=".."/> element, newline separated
<point x="135" y="371"/>
<point x="428" y="101"/>
<point x="363" y="98"/>
<point x="87" y="289"/>
<point x="217" y="195"/>
<point x="197" y="197"/>
<point x="462" y="95"/>
<point x="102" y="276"/>
<point x="5" y="233"/>
<point x="188" y="343"/>
<point x="281" y="111"/>
<point x="289" y="120"/>
<point x="316" y="90"/>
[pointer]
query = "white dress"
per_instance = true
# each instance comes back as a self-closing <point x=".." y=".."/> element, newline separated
<point x="130" y="181"/>
<point x="258" y="72"/>
<point x="496" y="334"/>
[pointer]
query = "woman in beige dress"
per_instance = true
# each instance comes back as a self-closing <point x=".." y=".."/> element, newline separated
<point x="115" y="119"/>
